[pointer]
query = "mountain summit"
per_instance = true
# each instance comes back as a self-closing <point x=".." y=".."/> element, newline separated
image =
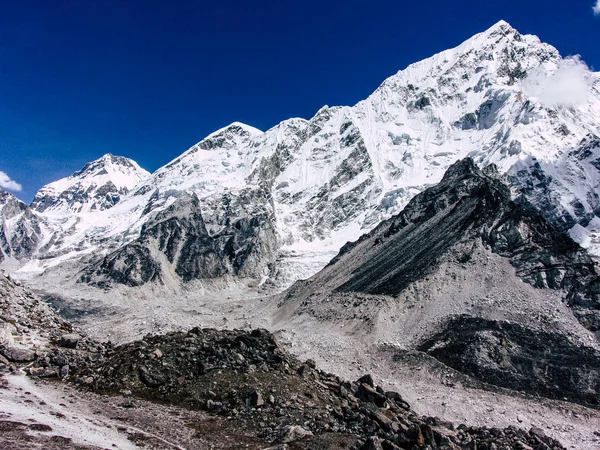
<point x="99" y="185"/>
<point x="313" y="185"/>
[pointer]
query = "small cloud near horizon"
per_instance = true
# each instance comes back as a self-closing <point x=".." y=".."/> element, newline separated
<point x="596" y="8"/>
<point x="7" y="183"/>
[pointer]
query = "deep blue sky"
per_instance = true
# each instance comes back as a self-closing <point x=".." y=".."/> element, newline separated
<point x="147" y="79"/>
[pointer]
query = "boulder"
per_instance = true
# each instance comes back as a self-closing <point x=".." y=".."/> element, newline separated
<point x="64" y="371"/>
<point x="69" y="340"/>
<point x="373" y="443"/>
<point x="6" y="337"/>
<point x="44" y="372"/>
<point x="18" y="355"/>
<point x="366" y="393"/>
<point x="256" y="399"/>
<point x="293" y="433"/>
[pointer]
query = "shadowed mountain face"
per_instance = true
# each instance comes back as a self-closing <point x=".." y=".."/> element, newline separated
<point x="20" y="231"/>
<point x="468" y="205"/>
<point x="176" y="243"/>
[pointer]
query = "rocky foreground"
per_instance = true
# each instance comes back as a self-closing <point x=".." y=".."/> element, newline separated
<point x="266" y="395"/>
<point x="235" y="389"/>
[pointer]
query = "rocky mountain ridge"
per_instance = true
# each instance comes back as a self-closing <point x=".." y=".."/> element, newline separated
<point x="312" y="185"/>
<point x="20" y="230"/>
<point x="452" y="234"/>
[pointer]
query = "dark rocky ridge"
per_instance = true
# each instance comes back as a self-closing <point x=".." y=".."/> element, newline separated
<point x="468" y="210"/>
<point x="505" y="354"/>
<point x="179" y="235"/>
<point x="469" y="205"/>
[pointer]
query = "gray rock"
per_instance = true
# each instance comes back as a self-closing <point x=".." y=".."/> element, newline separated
<point x="44" y="372"/>
<point x="64" y="371"/>
<point x="4" y="361"/>
<point x="6" y="337"/>
<point x="150" y="377"/>
<point x="366" y="379"/>
<point x="69" y="340"/>
<point x="293" y="433"/>
<point x="256" y="399"/>
<point x="368" y="394"/>
<point x="19" y="355"/>
<point x="373" y="443"/>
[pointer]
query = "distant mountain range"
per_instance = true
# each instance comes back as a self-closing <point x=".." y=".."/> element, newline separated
<point x="275" y="206"/>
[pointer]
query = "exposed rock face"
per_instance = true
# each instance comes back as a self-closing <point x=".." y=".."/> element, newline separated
<point x="99" y="185"/>
<point x="176" y="240"/>
<point x="544" y="185"/>
<point x="467" y="205"/>
<point x="505" y="354"/>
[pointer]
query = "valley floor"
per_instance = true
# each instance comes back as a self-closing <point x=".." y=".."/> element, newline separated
<point x="430" y="387"/>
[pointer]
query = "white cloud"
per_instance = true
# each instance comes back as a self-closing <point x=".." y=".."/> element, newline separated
<point x="596" y="8"/>
<point x="7" y="183"/>
<point x="568" y="85"/>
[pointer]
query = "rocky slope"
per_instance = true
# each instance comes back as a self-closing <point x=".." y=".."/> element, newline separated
<point x="175" y="243"/>
<point x="29" y="327"/>
<point x="316" y="184"/>
<point x="469" y="216"/>
<point x="249" y="378"/>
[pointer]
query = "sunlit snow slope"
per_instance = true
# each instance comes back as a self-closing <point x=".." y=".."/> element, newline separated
<point x="500" y="97"/>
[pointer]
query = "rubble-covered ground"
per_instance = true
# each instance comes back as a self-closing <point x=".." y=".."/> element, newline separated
<point x="204" y="388"/>
<point x="262" y="396"/>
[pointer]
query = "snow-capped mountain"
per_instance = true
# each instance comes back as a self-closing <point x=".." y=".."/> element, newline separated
<point x="98" y="186"/>
<point x="20" y="232"/>
<point x="312" y="185"/>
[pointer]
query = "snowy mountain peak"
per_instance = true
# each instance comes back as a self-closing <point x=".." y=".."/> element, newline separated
<point x="315" y="184"/>
<point x="235" y="128"/>
<point x="10" y="205"/>
<point x="97" y="186"/>
<point x="498" y="55"/>
<point x="500" y="26"/>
